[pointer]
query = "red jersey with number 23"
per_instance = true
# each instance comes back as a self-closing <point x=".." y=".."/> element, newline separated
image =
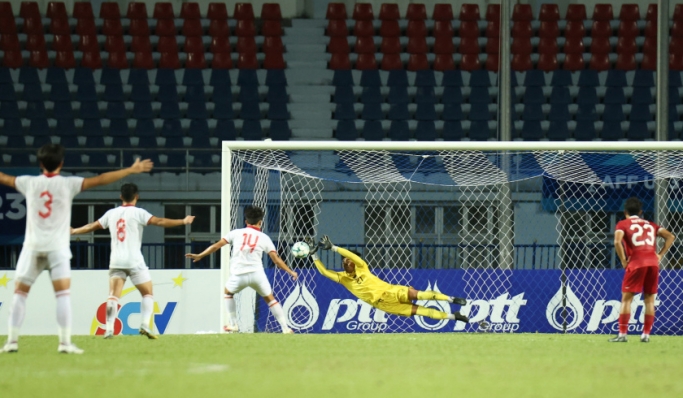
<point x="640" y="241"/>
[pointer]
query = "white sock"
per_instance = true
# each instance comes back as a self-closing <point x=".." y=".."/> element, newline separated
<point x="64" y="316"/>
<point x="16" y="318"/>
<point x="112" y="311"/>
<point x="279" y="314"/>
<point x="231" y="308"/>
<point x="146" y="309"/>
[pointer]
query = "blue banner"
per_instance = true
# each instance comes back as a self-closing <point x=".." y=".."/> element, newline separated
<point x="521" y="301"/>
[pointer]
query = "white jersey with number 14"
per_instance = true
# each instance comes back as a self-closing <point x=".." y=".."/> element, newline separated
<point x="125" y="224"/>
<point x="248" y="245"/>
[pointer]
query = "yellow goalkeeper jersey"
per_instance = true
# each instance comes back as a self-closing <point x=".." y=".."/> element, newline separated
<point x="363" y="285"/>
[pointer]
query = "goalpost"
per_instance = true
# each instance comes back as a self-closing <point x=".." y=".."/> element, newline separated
<point x="522" y="229"/>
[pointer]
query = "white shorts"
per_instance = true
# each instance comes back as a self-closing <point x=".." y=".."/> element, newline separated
<point x="256" y="280"/>
<point x="31" y="263"/>
<point x="138" y="275"/>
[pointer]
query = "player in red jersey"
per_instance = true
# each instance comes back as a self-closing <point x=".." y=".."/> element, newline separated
<point x="635" y="244"/>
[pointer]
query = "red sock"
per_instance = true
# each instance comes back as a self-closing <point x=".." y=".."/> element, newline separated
<point x="649" y="320"/>
<point x="623" y="323"/>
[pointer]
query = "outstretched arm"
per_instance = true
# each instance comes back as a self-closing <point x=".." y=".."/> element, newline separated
<point x="6" y="179"/>
<point x="93" y="226"/>
<point x="668" y="241"/>
<point x="331" y="275"/>
<point x="140" y="166"/>
<point x="213" y="248"/>
<point x="170" y="223"/>
<point x="281" y="264"/>
<point x="619" y="247"/>
<point x="327" y="244"/>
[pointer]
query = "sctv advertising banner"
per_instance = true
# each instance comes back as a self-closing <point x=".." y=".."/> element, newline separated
<point x="185" y="301"/>
<point x="525" y="301"/>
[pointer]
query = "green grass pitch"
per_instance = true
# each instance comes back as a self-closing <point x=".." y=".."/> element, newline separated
<point x="379" y="365"/>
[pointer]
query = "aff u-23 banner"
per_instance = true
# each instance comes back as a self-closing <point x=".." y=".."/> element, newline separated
<point x="522" y="301"/>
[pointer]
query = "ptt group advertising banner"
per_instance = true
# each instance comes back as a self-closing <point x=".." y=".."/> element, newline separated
<point x="526" y="301"/>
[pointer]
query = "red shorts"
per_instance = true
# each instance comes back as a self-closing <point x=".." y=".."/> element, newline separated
<point x="642" y="279"/>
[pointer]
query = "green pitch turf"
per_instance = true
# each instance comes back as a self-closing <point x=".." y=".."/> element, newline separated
<point x="405" y="365"/>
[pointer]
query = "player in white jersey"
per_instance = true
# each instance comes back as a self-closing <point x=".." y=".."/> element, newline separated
<point x="46" y="243"/>
<point x="125" y="224"/>
<point x="246" y="266"/>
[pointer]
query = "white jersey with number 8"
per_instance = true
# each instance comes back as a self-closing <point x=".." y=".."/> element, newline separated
<point x="248" y="245"/>
<point x="125" y="224"/>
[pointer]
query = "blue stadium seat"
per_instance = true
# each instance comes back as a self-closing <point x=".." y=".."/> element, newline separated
<point x="277" y="94"/>
<point x="397" y="78"/>
<point x="425" y="78"/>
<point x="561" y="78"/>
<point x="116" y="110"/>
<point x="220" y="77"/>
<point x="118" y="127"/>
<point x="203" y="159"/>
<point x="223" y="109"/>
<point x="425" y="95"/>
<point x="587" y="96"/>
<point x="39" y="127"/>
<point x="398" y="112"/>
<point x="642" y="95"/>
<point x="145" y="127"/>
<point x="250" y="111"/>
<point x="344" y="95"/>
<point x="276" y="77"/>
<point x="40" y="140"/>
<point x="176" y="141"/>
<point x="278" y="111"/>
<point x="251" y="130"/>
<point x="101" y="161"/>
<point x="33" y="92"/>
<point x="370" y="78"/>
<point x="559" y="113"/>
<point x="425" y="111"/>
<point x="7" y="92"/>
<point x="201" y="141"/>
<point x="140" y="92"/>
<point x="342" y="78"/>
<point x="72" y="159"/>
<point x="168" y="93"/>
<point x="196" y="110"/>
<point x="479" y="95"/>
<point x="111" y="76"/>
<point x="346" y="130"/>
<point x="193" y="77"/>
<point x="616" y="78"/>
<point x="70" y="141"/>
<point x="637" y="131"/>
<point x="373" y="131"/>
<point x="533" y="112"/>
<point x="198" y="128"/>
<point x="12" y="127"/>
<point x="373" y="112"/>
<point x="148" y="141"/>
<point x="247" y="77"/>
<point x="86" y="93"/>
<point x="122" y="142"/>
<point x="589" y="78"/>
<point x="59" y="92"/>
<point x="113" y="92"/>
<point x="560" y="95"/>
<point x="5" y="76"/>
<point x="532" y="130"/>
<point x="92" y="127"/>
<point x="279" y="130"/>
<point x="675" y="78"/>
<point x="673" y="113"/>
<point x="452" y="95"/>
<point x="614" y="95"/>
<point x="479" y="112"/>
<point x="83" y="76"/>
<point x="587" y="113"/>
<point x="479" y="131"/>
<point x="425" y="131"/>
<point x="480" y="78"/>
<point x="398" y="95"/>
<point x="176" y="160"/>
<point x="248" y="94"/>
<point x="611" y="131"/>
<point x="613" y="113"/>
<point x="532" y="95"/>
<point x="56" y="76"/>
<point x="138" y="77"/>
<point x="452" y="78"/>
<point x="672" y="133"/>
<point x="674" y="97"/>
<point x="399" y="131"/>
<point x="35" y="109"/>
<point x="558" y="131"/>
<point x="28" y="75"/>
<point x="225" y="130"/>
<point x="195" y="93"/>
<point x="143" y="110"/>
<point x="170" y="110"/>
<point x="371" y="95"/>
<point x="66" y="127"/>
<point x="452" y="112"/>
<point x="9" y="110"/>
<point x="534" y="78"/>
<point x="62" y="110"/>
<point x="640" y="113"/>
<point x="89" y="110"/>
<point x="165" y="77"/>
<point x="643" y="78"/>
<point x="21" y="160"/>
<point x="15" y="141"/>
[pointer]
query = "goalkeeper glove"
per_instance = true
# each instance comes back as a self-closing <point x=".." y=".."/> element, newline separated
<point x="313" y="247"/>
<point x="326" y="243"/>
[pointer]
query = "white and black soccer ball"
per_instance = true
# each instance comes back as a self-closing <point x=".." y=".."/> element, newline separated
<point x="300" y="249"/>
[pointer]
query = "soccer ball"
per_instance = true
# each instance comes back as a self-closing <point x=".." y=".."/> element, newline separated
<point x="300" y="249"/>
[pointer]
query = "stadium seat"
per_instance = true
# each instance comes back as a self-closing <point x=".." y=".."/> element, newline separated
<point x="611" y="131"/>
<point x="246" y="45"/>
<point x="251" y="130"/>
<point x="193" y="44"/>
<point x="195" y="60"/>
<point x="549" y="12"/>
<point x="276" y="77"/>
<point x="86" y="27"/>
<point x="169" y="60"/>
<point x="390" y="29"/>
<point x="416" y="45"/>
<point x="558" y="131"/>
<point x="373" y="131"/>
<point x="337" y="28"/>
<point x="452" y="131"/>
<point x="271" y="28"/>
<point x="576" y="12"/>
<point x="389" y="12"/>
<point x="442" y="12"/>
<point x="479" y="131"/>
<point x="399" y="131"/>
<point x="532" y="131"/>
<point x="190" y="11"/>
<point x="601" y="29"/>
<point x="548" y="29"/>
<point x="113" y="44"/>
<point x="143" y="60"/>
<point x="336" y="11"/>
<point x="35" y="43"/>
<point x="165" y="27"/>
<point x="389" y="45"/>
<point x="32" y="26"/>
<point x="83" y="10"/>
<point x="469" y="12"/>
<point x="29" y="9"/>
<point x="574" y="29"/>
<point x="109" y="10"/>
<point x="7" y="25"/>
<point x="60" y="26"/>
<point x="219" y="28"/>
<point x="9" y="42"/>
<point x="444" y="62"/>
<point x="163" y="10"/>
<point x="110" y="27"/>
<point x="346" y="130"/>
<point x="136" y="11"/>
<point x="522" y="12"/>
<point x="363" y="12"/>
<point x="603" y="12"/>
<point x="417" y="28"/>
<point x="522" y="29"/>
<point x="365" y="45"/>
<point x="363" y="28"/>
<point x="217" y="11"/>
<point x="628" y="29"/>
<point x="192" y="27"/>
<point x="559" y="112"/>
<point x="88" y="43"/>
<point x="425" y="131"/>
<point x="443" y="30"/>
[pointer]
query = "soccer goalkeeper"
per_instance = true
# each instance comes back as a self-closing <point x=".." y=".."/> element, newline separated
<point x="392" y="299"/>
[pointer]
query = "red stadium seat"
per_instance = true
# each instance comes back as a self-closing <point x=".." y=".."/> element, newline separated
<point x="246" y="45"/>
<point x="650" y="61"/>
<point x="340" y="61"/>
<point x="56" y="9"/>
<point x="366" y="62"/>
<point x="221" y="61"/>
<point x="574" y="46"/>
<point x="522" y="29"/>
<point x="628" y="29"/>
<point x="195" y="61"/>
<point x="337" y="28"/>
<point x="167" y="44"/>
<point x="574" y="29"/>
<point x="274" y="43"/>
<point x="33" y="26"/>
<point x="143" y="60"/>
<point x="60" y="26"/>
<point x="521" y="45"/>
<point x="416" y="28"/>
<point x="390" y="45"/>
<point x="418" y="62"/>
<point x="547" y="62"/>
<point x="86" y="27"/>
<point x="363" y="28"/>
<point x="549" y="29"/>
<point x="245" y="27"/>
<point x="7" y="25"/>
<point x="678" y="12"/>
<point x="271" y="12"/>
<point x="62" y="43"/>
<point x="117" y="60"/>
<point x="29" y="9"/>
<point x="219" y="28"/>
<point x="675" y="46"/>
<point x="650" y="44"/>
<point x="114" y="44"/>
<point x="442" y="28"/>
<point x="603" y="12"/>
<point x="417" y="45"/>
<point x="627" y="45"/>
<point x="600" y="45"/>
<point x="492" y="62"/>
<point x="271" y="28"/>
<point x="109" y="10"/>
<point x="675" y="62"/>
<point x="416" y="11"/>
<point x="365" y="45"/>
<point x="6" y="8"/>
<point x="548" y="45"/>
<point x="112" y="27"/>
<point x="600" y="62"/>
<point x="522" y="12"/>
<point x="651" y="12"/>
<point x="493" y="29"/>
<point x="444" y="62"/>
<point x="336" y="11"/>
<point x="469" y="45"/>
<point x="247" y="61"/>
<point x="389" y="12"/>
<point x="601" y="29"/>
<point x="88" y="43"/>
<point x="576" y="12"/>
<point x="192" y="27"/>
<point x="493" y="12"/>
<point x="338" y="45"/>
<point x="92" y="60"/>
<point x="65" y="60"/>
<point x="38" y="59"/>
<point x="629" y="12"/>
<point x="274" y="60"/>
<point x="139" y="27"/>
<point x="676" y="29"/>
<point x="626" y="61"/>
<point x="140" y="44"/>
<point x="136" y="11"/>
<point x="391" y="62"/>
<point x="165" y="27"/>
<point x="444" y="45"/>
<point x="169" y="61"/>
<point x="521" y="62"/>
<point x="470" y="62"/>
<point x="193" y="44"/>
<point x="190" y="10"/>
<point x="468" y="29"/>
<point x="35" y="42"/>
<point x="573" y="62"/>
<point x="363" y="12"/>
<point x="493" y="45"/>
<point x="10" y="42"/>
<point x="163" y="10"/>
<point x="220" y="45"/>
<point x="13" y="59"/>
<point x="549" y="13"/>
<point x="469" y="12"/>
<point x="390" y="29"/>
<point x="442" y="12"/>
<point x="243" y="11"/>
<point x="217" y="11"/>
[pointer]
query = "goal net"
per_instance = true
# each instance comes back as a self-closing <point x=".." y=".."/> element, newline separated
<point x="523" y="230"/>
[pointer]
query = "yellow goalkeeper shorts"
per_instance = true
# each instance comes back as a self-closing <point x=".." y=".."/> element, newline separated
<point x="395" y="301"/>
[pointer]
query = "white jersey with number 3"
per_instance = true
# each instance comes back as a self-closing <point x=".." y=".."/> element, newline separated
<point x="248" y="245"/>
<point x="48" y="209"/>
<point x="125" y="224"/>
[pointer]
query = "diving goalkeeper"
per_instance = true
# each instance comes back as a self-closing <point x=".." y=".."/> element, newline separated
<point x="392" y="299"/>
